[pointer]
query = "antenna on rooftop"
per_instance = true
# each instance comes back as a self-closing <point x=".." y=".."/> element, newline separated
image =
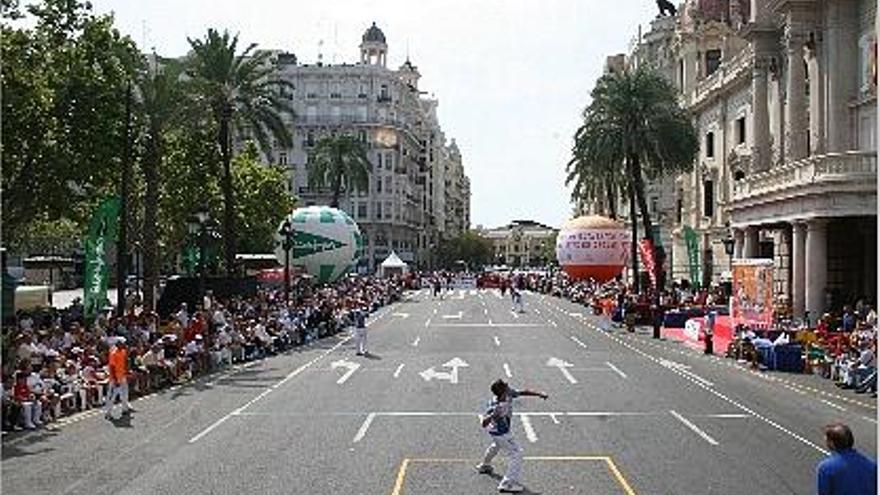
<point x="320" y="51"/>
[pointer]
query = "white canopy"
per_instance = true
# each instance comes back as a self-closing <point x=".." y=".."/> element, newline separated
<point x="393" y="265"/>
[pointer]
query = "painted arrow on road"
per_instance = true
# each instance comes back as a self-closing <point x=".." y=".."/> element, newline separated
<point x="452" y="375"/>
<point x="342" y="363"/>
<point x="400" y="315"/>
<point x="562" y="365"/>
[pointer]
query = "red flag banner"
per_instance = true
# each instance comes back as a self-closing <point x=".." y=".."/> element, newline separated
<point x="646" y="252"/>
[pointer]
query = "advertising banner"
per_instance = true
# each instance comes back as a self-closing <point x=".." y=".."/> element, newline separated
<point x="693" y="250"/>
<point x="752" y="301"/>
<point x="646" y="253"/>
<point x="102" y="230"/>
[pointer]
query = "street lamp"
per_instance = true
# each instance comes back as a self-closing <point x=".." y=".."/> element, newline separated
<point x="198" y="226"/>
<point x="728" y="250"/>
<point x="287" y="233"/>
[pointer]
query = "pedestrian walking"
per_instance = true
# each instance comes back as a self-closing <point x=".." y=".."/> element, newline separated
<point x="846" y="471"/>
<point x="708" y="332"/>
<point x="516" y="296"/>
<point x="360" y="331"/>
<point x="498" y="418"/>
<point x="118" y="368"/>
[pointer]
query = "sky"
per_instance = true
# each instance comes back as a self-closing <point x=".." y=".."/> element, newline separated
<point x="512" y="76"/>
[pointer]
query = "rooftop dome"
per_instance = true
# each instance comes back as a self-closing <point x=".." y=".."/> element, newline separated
<point x="374" y="34"/>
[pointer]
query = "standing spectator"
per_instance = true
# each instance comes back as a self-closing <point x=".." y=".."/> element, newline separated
<point x="846" y="471"/>
<point x="360" y="331"/>
<point x="118" y="367"/>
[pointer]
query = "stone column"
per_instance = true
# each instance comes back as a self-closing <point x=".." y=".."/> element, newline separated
<point x="841" y="61"/>
<point x="760" y="116"/>
<point x="738" y="240"/>
<point x="817" y="102"/>
<point x="816" y="261"/>
<point x="798" y="264"/>
<point x="750" y="247"/>
<point x="795" y="97"/>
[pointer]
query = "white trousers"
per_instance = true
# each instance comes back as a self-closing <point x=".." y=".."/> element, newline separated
<point x="360" y="340"/>
<point x="32" y="413"/>
<point x="514" y="455"/>
<point x="117" y="391"/>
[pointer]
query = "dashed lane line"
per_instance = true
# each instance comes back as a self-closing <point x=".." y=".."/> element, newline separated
<point x="696" y="429"/>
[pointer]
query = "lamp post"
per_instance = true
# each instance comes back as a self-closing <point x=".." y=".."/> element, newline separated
<point x="198" y="226"/>
<point x="728" y="250"/>
<point x="287" y="233"/>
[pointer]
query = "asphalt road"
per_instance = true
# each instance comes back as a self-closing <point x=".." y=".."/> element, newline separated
<point x="626" y="415"/>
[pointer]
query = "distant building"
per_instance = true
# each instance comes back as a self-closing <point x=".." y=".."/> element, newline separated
<point x="522" y="243"/>
<point x="418" y="192"/>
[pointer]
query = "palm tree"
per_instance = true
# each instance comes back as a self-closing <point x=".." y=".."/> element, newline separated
<point x="634" y="130"/>
<point x="244" y="97"/>
<point x="339" y="162"/>
<point x="163" y="102"/>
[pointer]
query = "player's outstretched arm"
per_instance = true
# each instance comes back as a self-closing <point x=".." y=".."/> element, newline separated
<point x="533" y="393"/>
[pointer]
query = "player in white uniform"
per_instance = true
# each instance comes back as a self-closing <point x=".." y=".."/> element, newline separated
<point x="498" y="416"/>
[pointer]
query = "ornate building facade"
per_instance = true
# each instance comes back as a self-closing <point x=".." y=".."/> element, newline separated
<point x="418" y="192"/>
<point x="522" y="243"/>
<point x="783" y="97"/>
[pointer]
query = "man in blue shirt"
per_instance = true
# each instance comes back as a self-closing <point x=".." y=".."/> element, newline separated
<point x="498" y="416"/>
<point x="846" y="471"/>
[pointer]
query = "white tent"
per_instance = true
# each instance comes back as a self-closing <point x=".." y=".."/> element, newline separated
<point x="393" y="265"/>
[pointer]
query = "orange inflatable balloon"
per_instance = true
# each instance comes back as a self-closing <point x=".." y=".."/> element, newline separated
<point x="593" y="247"/>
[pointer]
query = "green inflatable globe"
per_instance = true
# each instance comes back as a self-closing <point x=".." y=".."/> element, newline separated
<point x="327" y="243"/>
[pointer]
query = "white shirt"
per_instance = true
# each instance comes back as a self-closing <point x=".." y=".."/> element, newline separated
<point x="183" y="317"/>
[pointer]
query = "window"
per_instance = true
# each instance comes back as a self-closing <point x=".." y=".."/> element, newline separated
<point x="282" y="158"/>
<point x="310" y="139"/>
<point x="362" y="113"/>
<point x="710" y="145"/>
<point x="362" y="210"/>
<point x="388" y="186"/>
<point x="713" y="61"/>
<point x="378" y="210"/>
<point x="654" y="201"/>
<point x="378" y="185"/>
<point x="311" y="114"/>
<point x="741" y="130"/>
<point x="389" y="161"/>
<point x="708" y="199"/>
<point x="383" y="93"/>
<point x="335" y="92"/>
<point x="681" y="74"/>
<point x="388" y="210"/>
<point x="336" y="113"/>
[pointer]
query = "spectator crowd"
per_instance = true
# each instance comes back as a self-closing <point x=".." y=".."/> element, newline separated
<point x="56" y="363"/>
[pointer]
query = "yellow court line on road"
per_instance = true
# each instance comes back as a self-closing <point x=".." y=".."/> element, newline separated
<point x="609" y="462"/>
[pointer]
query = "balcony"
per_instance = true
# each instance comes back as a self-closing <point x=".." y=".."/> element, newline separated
<point x="730" y="70"/>
<point x="832" y="185"/>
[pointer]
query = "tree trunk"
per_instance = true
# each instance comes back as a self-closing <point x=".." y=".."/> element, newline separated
<point x="151" y="205"/>
<point x="337" y="190"/>
<point x="228" y="195"/>
<point x="612" y="200"/>
<point x="636" y="174"/>
<point x="634" y="251"/>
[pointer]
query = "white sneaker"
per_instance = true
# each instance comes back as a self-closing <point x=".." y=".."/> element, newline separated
<point x="510" y="487"/>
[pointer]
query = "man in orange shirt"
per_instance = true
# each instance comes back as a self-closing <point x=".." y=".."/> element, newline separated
<point x="118" y="368"/>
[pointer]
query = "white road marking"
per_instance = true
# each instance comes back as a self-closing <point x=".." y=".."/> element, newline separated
<point x="609" y="413"/>
<point x="507" y="371"/>
<point x="576" y="315"/>
<point x="456" y="316"/>
<point x="705" y="436"/>
<point x="537" y="311"/>
<point x="416" y="342"/>
<point x="490" y="324"/>
<point x="472" y="292"/>
<point x="616" y="370"/>
<point x="578" y="341"/>
<point x="562" y="365"/>
<point x="872" y="420"/>
<point x="553" y="323"/>
<point x="342" y="363"/>
<point x="527" y="426"/>
<point x="398" y="370"/>
<point x="435" y="311"/>
<point x="727" y="416"/>
<point x="452" y="375"/>
<point x="364" y="427"/>
<point x="428" y="322"/>
<point x="716" y="393"/>
<point x="485" y="311"/>
<point x="497" y="340"/>
<point x="515" y="315"/>
<point x="401" y="315"/>
<point x="554" y="417"/>
<point x="287" y="378"/>
<point x="831" y="404"/>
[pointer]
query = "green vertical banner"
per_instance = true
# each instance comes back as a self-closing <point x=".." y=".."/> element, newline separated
<point x="102" y="230"/>
<point x="693" y="249"/>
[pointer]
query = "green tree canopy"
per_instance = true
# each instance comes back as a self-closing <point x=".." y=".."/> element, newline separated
<point x="470" y="247"/>
<point x="340" y="163"/>
<point x="245" y="97"/>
